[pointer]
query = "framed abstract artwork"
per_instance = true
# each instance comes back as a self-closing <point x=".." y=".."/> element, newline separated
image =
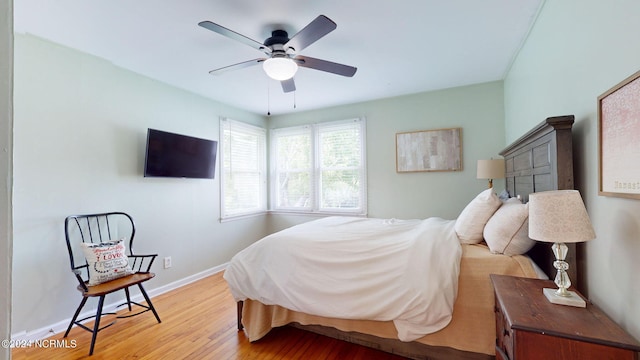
<point x="429" y="150"/>
<point x="619" y="139"/>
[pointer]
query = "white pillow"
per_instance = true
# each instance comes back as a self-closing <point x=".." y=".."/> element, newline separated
<point x="470" y="224"/>
<point x="107" y="261"/>
<point x="507" y="232"/>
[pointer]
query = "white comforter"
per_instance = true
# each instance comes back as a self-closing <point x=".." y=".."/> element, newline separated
<point x="356" y="268"/>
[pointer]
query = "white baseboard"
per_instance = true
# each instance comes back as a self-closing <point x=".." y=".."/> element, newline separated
<point x="185" y="281"/>
<point x="61" y="326"/>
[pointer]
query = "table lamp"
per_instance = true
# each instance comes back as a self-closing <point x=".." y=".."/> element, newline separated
<point x="490" y="169"/>
<point x="560" y="217"/>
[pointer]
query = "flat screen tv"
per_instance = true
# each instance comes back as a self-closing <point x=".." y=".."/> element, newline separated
<point x="175" y="155"/>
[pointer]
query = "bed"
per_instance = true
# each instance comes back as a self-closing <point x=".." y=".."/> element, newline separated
<point x="540" y="160"/>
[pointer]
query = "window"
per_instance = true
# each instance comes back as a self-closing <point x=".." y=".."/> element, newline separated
<point x="243" y="168"/>
<point x="319" y="168"/>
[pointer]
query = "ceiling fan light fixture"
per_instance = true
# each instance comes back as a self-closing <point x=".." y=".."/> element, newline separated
<point x="280" y="68"/>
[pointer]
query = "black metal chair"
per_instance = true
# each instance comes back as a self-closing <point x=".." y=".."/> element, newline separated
<point x="103" y="229"/>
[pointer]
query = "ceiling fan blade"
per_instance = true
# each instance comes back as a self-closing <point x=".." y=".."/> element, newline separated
<point x="324" y="65"/>
<point x="316" y="29"/>
<point x="288" y="85"/>
<point x="237" y="66"/>
<point x="234" y="35"/>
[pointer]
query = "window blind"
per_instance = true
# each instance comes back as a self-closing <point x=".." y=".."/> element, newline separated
<point x="319" y="168"/>
<point x="243" y="180"/>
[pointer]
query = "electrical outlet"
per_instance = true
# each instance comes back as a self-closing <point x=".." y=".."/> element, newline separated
<point x="167" y="262"/>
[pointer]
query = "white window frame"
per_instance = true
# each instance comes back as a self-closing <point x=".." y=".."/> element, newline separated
<point x="274" y="177"/>
<point x="314" y="131"/>
<point x="241" y="128"/>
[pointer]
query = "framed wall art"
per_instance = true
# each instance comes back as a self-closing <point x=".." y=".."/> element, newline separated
<point x="429" y="150"/>
<point x="619" y="139"/>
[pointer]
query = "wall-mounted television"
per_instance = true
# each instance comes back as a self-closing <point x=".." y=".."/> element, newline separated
<point x="175" y="155"/>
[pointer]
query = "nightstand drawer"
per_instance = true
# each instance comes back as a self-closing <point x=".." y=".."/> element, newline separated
<point x="504" y="335"/>
<point x="532" y="345"/>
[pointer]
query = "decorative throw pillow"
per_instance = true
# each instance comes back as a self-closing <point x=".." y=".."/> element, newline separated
<point x="504" y="195"/>
<point x="107" y="261"/>
<point x="470" y="224"/>
<point x="507" y="232"/>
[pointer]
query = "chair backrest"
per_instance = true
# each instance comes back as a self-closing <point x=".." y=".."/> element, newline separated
<point x="96" y="228"/>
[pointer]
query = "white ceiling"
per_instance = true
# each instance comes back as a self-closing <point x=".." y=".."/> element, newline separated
<point x="399" y="47"/>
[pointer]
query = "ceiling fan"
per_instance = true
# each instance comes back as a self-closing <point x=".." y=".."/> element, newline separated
<point x="282" y="61"/>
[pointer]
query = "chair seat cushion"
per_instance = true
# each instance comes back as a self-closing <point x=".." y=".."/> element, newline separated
<point x="117" y="284"/>
<point x="106" y="260"/>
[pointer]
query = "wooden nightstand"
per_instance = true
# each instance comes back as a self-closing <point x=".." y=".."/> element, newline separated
<point x="528" y="326"/>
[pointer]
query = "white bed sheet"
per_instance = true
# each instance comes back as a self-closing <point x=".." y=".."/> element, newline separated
<point x="405" y="271"/>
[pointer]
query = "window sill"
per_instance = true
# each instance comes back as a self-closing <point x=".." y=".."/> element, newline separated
<point x="242" y="216"/>
<point x="314" y="213"/>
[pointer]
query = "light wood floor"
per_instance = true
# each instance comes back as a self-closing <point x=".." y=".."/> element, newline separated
<point x="198" y="322"/>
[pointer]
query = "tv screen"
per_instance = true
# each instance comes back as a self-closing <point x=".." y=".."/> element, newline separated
<point x="175" y="155"/>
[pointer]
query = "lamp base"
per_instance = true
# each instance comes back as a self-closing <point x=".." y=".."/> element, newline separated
<point x="572" y="300"/>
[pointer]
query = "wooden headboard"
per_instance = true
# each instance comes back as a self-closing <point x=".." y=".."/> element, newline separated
<point x="542" y="160"/>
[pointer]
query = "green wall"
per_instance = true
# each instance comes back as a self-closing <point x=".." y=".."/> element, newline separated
<point x="576" y="51"/>
<point x="80" y="127"/>
<point x="477" y="109"/>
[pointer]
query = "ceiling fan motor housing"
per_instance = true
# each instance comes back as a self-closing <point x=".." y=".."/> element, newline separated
<point x="277" y="37"/>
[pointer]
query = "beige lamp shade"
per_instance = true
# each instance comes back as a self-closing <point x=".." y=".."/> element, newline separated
<point x="490" y="169"/>
<point x="559" y="217"/>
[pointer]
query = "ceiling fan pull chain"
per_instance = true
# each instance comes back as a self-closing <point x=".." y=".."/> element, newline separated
<point x="294" y="99"/>
<point x="268" y="99"/>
